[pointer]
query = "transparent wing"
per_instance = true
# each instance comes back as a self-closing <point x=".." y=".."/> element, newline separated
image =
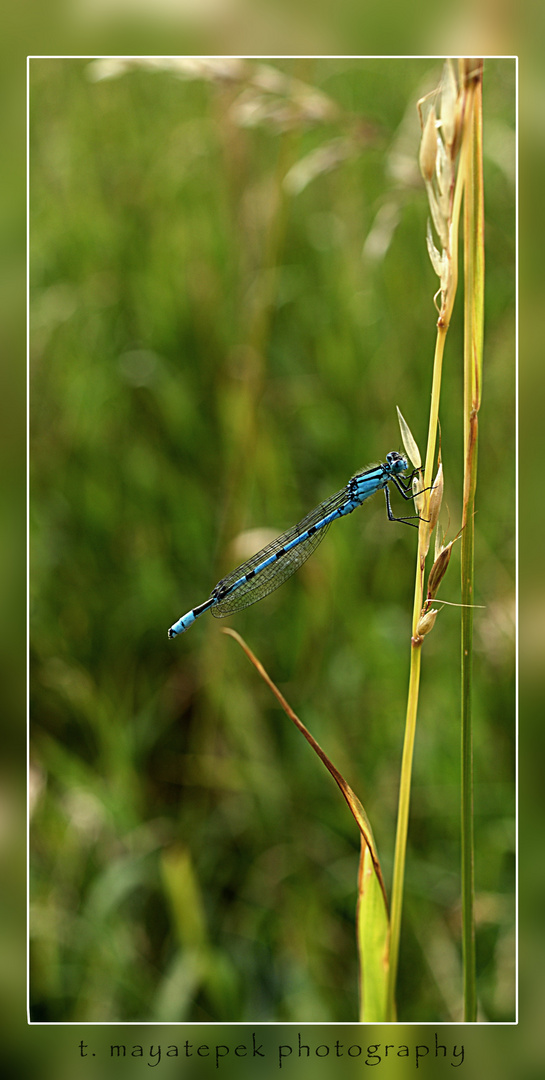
<point x="274" y="575"/>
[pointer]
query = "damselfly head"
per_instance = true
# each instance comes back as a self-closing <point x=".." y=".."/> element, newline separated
<point x="397" y="463"/>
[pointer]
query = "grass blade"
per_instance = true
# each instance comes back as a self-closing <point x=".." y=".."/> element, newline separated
<point x="372" y="904"/>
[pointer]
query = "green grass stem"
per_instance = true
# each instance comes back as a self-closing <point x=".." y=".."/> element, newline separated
<point x="448" y="298"/>
<point x="473" y="356"/>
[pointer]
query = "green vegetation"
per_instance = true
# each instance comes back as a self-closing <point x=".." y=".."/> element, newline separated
<point x="211" y="353"/>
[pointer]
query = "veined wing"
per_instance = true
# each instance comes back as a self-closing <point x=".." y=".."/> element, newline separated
<point x="282" y="567"/>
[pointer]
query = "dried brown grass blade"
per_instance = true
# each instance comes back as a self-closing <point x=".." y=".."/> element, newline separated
<point x="352" y="800"/>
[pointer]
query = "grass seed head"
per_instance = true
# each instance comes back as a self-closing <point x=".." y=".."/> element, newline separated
<point x="436" y="498"/>
<point x="428" y="147"/>
<point x="426" y="623"/>
<point x="439" y="570"/>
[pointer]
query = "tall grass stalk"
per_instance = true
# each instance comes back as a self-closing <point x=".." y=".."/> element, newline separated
<point x="473" y="360"/>
<point x="451" y="131"/>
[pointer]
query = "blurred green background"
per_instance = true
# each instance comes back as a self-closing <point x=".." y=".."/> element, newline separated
<point x="230" y="293"/>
